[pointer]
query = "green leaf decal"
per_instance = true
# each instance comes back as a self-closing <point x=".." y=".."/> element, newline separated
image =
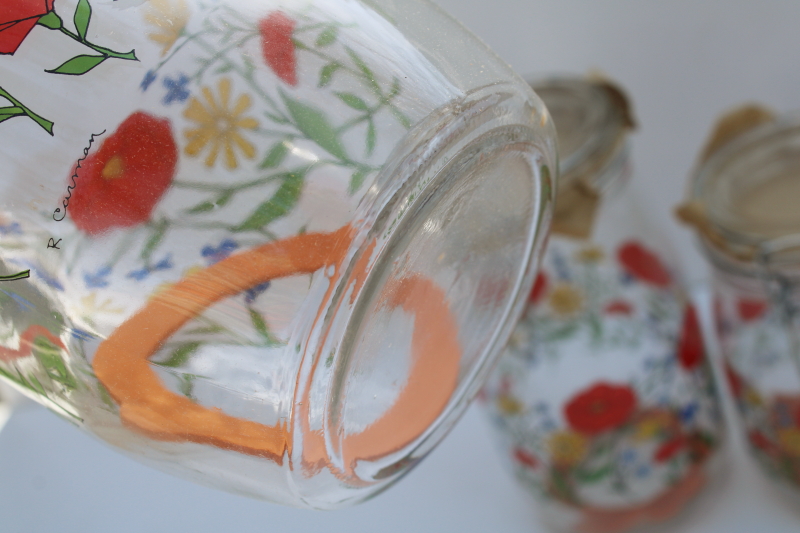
<point x="395" y="90"/>
<point x="208" y="205"/>
<point x="49" y="356"/>
<point x="401" y="117"/>
<point x="370" y="137"/>
<point x="159" y="232"/>
<point x="51" y="20"/>
<point x="181" y="354"/>
<point x="276" y="155"/>
<point x="356" y="180"/>
<point x="12" y="110"/>
<point x="326" y="74"/>
<point x="314" y="125"/>
<point x="327" y="37"/>
<point x="14" y="277"/>
<point x="353" y="101"/>
<point x="281" y="203"/>
<point x="587" y="476"/>
<point x="261" y="326"/>
<point x="83" y="13"/>
<point x="366" y="71"/>
<point x="78" y="65"/>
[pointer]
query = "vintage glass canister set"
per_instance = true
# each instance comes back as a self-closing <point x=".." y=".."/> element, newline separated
<point x="275" y="247"/>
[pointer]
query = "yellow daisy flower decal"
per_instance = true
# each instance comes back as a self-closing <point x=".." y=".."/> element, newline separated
<point x="218" y="125"/>
<point x="508" y="405"/>
<point x="169" y="18"/>
<point x="590" y="254"/>
<point x="565" y="299"/>
<point x="567" y="448"/>
<point x="789" y="440"/>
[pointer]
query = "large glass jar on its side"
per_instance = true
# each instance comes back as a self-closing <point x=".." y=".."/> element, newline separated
<point x="604" y="397"/>
<point x="272" y="247"/>
<point x="744" y="203"/>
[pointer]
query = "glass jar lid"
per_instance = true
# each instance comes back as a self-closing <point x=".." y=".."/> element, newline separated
<point x="744" y="192"/>
<point x="592" y="119"/>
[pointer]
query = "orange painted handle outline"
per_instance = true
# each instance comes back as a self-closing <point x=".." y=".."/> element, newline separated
<point x="431" y="380"/>
<point x="121" y="361"/>
<point x="146" y="406"/>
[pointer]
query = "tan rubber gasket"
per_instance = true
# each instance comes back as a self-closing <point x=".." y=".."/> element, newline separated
<point x="148" y="407"/>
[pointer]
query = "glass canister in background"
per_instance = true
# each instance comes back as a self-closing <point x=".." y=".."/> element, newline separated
<point x="604" y="398"/>
<point x="744" y="204"/>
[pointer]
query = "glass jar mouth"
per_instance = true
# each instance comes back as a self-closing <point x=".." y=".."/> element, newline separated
<point x="429" y="289"/>
<point x="747" y="190"/>
<point x="749" y="186"/>
<point x="593" y="119"/>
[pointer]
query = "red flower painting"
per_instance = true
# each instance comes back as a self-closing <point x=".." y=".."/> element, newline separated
<point x="525" y="458"/>
<point x="670" y="449"/>
<point x="277" y="46"/>
<point x="643" y="264"/>
<point x="750" y="310"/>
<point x="690" y="346"/>
<point x="735" y="381"/>
<point x="600" y="408"/>
<point x="539" y="288"/>
<point x="121" y="183"/>
<point x="17" y="19"/>
<point x="618" y="307"/>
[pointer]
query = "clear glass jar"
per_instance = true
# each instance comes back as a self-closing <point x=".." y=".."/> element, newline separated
<point x="744" y="205"/>
<point x="273" y="246"/>
<point x="604" y="398"/>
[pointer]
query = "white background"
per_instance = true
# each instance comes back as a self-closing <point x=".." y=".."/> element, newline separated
<point x="683" y="63"/>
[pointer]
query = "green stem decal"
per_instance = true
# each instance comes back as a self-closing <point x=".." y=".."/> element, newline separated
<point x="81" y="64"/>
<point x="19" y="275"/>
<point x="20" y="110"/>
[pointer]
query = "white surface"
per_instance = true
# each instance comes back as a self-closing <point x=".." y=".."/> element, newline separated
<point x="683" y="63"/>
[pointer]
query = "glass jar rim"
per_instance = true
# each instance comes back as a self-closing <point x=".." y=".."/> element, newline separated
<point x="744" y="189"/>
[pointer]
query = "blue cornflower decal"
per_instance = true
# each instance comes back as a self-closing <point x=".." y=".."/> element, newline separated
<point x="98" y="279"/>
<point x="176" y="89"/>
<point x="215" y="254"/>
<point x="251" y="294"/>
<point x="688" y="413"/>
<point x="149" y="78"/>
<point x="22" y="302"/>
<point x="142" y="273"/>
<point x="81" y="335"/>
<point x="11" y="229"/>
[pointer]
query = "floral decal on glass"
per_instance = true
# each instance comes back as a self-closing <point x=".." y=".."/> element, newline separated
<point x="215" y="161"/>
<point x="19" y="17"/>
<point x="763" y="376"/>
<point x="605" y="396"/>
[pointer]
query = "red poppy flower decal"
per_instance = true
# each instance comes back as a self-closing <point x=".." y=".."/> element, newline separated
<point x="277" y="46"/>
<point x="17" y="19"/>
<point x="618" y="307"/>
<point x="525" y="458"/>
<point x="750" y="310"/>
<point x="120" y="184"/>
<point x="735" y="381"/>
<point x="670" y="449"/>
<point x="539" y="288"/>
<point x="643" y="264"/>
<point x="600" y="408"/>
<point x="690" y="346"/>
<point x="760" y="441"/>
